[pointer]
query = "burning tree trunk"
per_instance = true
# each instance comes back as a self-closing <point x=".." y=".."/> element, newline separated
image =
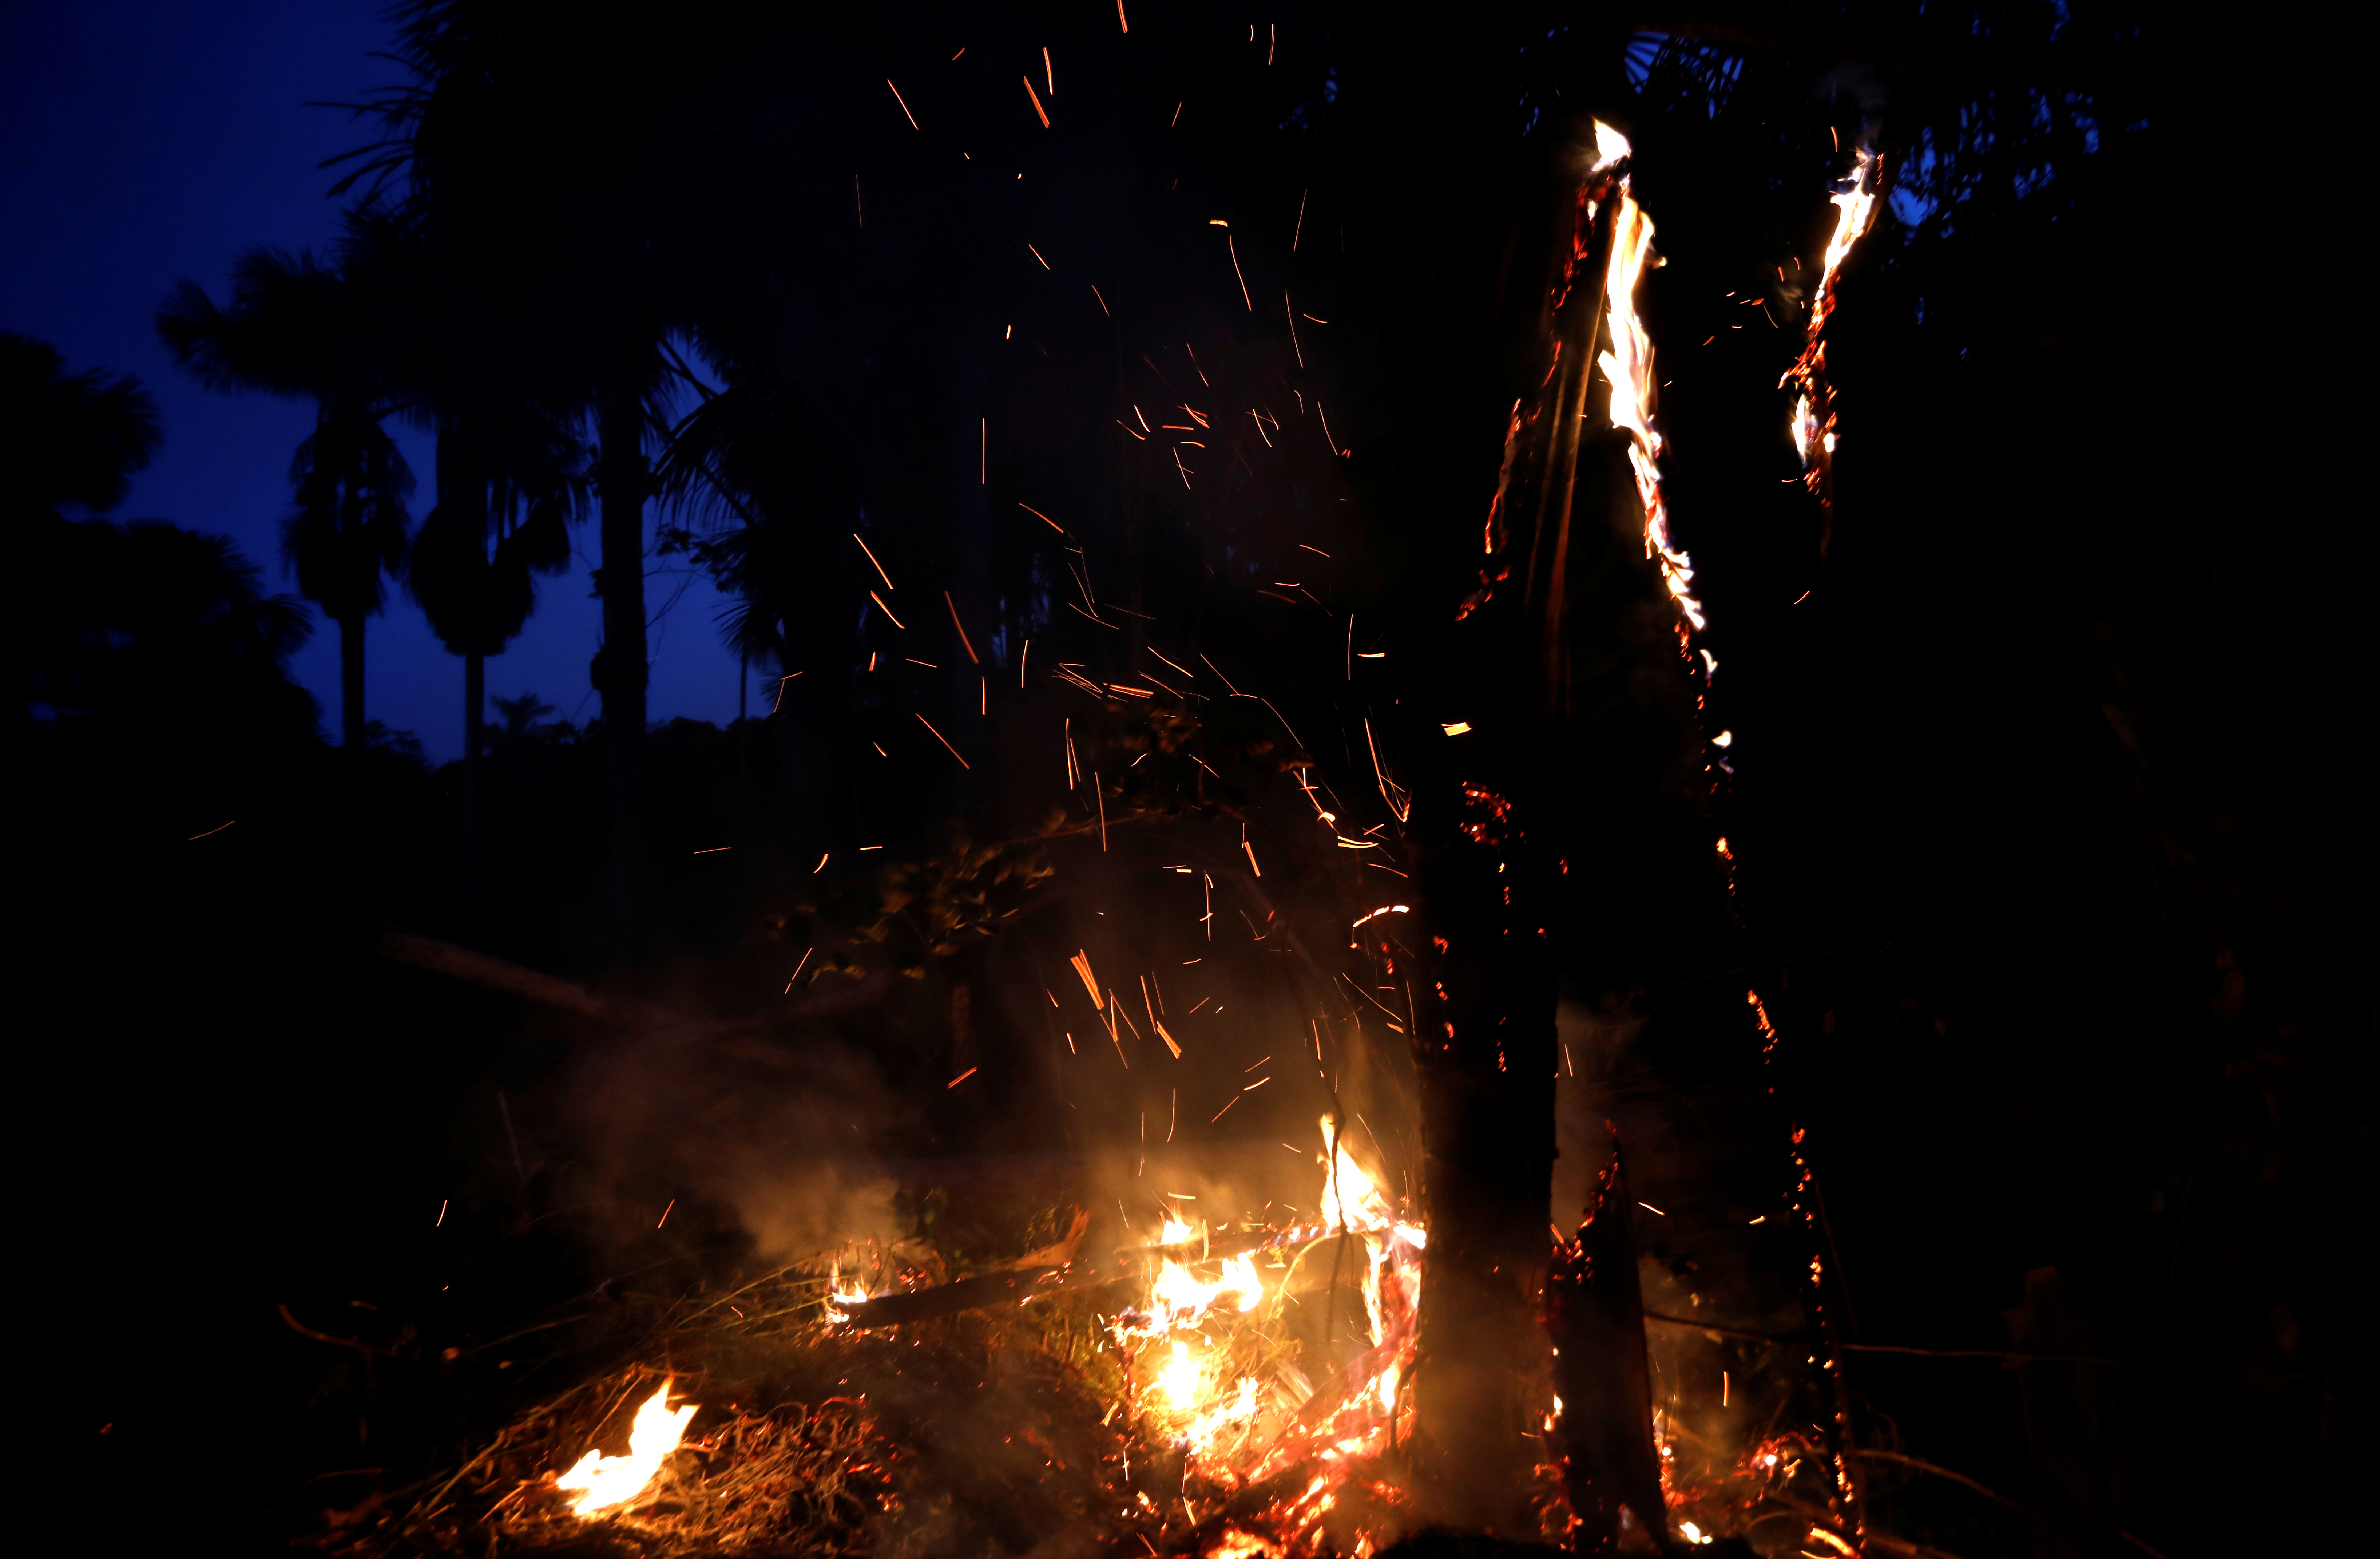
<point x="1596" y="1317"/>
<point x="1484" y="1051"/>
<point x="1487" y="817"/>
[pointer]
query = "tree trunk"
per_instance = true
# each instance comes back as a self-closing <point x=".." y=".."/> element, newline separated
<point x="474" y="730"/>
<point x="1492" y="820"/>
<point x="621" y="670"/>
<point x="1595" y="1311"/>
<point x="1484" y="1050"/>
<point x="351" y="731"/>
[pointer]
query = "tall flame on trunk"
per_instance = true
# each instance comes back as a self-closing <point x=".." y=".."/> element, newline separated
<point x="1628" y="364"/>
<point x="1814" y="407"/>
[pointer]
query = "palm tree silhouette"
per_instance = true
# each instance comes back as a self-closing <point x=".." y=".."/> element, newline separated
<point x="508" y="488"/>
<point x="295" y="326"/>
<point x="567" y="150"/>
<point x="511" y="469"/>
<point x="757" y="477"/>
<point x="521" y="715"/>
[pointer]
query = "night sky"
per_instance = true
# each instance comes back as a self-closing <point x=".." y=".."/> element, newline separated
<point x="143" y="143"/>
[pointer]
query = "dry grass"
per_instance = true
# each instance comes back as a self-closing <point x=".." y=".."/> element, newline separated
<point x="994" y="1429"/>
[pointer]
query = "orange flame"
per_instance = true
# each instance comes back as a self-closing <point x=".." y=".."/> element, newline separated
<point x="604" y="1481"/>
<point x="842" y="1298"/>
<point x="1235" y="1428"/>
<point x="1813" y="422"/>
<point x="1628" y="365"/>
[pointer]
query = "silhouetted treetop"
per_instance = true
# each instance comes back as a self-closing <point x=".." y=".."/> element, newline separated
<point x="73" y="438"/>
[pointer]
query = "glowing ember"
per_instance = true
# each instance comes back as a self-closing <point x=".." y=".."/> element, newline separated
<point x="604" y="1481"/>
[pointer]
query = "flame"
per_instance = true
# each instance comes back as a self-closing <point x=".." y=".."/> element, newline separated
<point x="610" y="1481"/>
<point x="841" y="1300"/>
<point x="1814" y="410"/>
<point x="1854" y="210"/>
<point x="1610" y="145"/>
<point x="1209" y="1426"/>
<point x="1237" y="1544"/>
<point x="1181" y="1386"/>
<point x="1179" y="1379"/>
<point x="1179" y="1299"/>
<point x="1227" y="1421"/>
<point x="1629" y="367"/>
<point x="1350" y="1199"/>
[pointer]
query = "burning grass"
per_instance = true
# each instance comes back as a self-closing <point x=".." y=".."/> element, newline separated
<point x="1149" y="1405"/>
<point x="1228" y="1389"/>
<point x="812" y="1438"/>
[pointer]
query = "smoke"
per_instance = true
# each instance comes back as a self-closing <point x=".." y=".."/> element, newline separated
<point x="779" y="1139"/>
<point x="796" y="1209"/>
<point x="1595" y="1056"/>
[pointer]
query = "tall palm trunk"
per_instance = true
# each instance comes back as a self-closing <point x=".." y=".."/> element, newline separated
<point x="351" y="730"/>
<point x="475" y="731"/>
<point x="621" y="669"/>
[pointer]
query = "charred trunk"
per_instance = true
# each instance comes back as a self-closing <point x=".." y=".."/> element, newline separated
<point x="1494" y="793"/>
<point x="1595" y="1314"/>
<point x="1484" y="1051"/>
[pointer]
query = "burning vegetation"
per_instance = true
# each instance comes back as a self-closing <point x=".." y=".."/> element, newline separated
<point x="1234" y="1380"/>
<point x="1222" y="1005"/>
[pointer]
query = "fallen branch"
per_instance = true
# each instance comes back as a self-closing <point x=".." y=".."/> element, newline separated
<point x="626" y="1013"/>
<point x="1996" y="1498"/>
<point x="947" y="1298"/>
<point x="1827" y="1521"/>
<point x="305" y="1330"/>
<point x="1883" y="1347"/>
<point x="461" y="963"/>
<point x="1980" y="1353"/>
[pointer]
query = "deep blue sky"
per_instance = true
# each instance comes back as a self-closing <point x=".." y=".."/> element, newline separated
<point x="141" y="142"/>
